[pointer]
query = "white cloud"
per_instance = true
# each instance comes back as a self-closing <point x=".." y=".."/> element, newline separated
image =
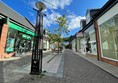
<point x="74" y="22"/>
<point x="51" y="4"/>
<point x="58" y="4"/>
<point x="63" y="3"/>
<point x="50" y="19"/>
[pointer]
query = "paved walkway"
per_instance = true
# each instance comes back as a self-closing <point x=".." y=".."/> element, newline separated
<point x="76" y="70"/>
<point x="50" y="65"/>
<point x="11" y="65"/>
<point x="1" y="72"/>
<point x="113" y="70"/>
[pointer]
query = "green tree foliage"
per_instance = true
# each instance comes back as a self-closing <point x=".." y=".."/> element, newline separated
<point x="61" y="29"/>
<point x="53" y="37"/>
<point x="62" y="25"/>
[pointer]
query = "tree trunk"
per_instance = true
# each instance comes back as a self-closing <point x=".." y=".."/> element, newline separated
<point x="58" y="47"/>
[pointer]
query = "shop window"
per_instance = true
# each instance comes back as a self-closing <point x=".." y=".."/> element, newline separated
<point x="11" y="40"/>
<point x="88" y="46"/>
<point x="92" y="43"/>
<point x="109" y="38"/>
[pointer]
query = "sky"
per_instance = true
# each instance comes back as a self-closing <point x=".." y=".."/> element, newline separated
<point x="75" y="10"/>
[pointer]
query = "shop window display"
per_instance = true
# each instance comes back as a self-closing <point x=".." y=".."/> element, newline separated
<point x="92" y="43"/>
<point x="10" y="46"/>
<point x="88" y="45"/>
<point x="109" y="38"/>
<point x="18" y="42"/>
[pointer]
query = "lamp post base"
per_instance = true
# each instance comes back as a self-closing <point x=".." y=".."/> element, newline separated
<point x="36" y="65"/>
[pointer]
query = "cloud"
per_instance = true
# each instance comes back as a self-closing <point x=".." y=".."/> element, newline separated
<point x="74" y="22"/>
<point x="51" y="4"/>
<point x="55" y="4"/>
<point x="50" y="19"/>
<point x="64" y="3"/>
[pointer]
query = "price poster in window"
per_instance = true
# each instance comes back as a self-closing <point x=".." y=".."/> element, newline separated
<point x="10" y="45"/>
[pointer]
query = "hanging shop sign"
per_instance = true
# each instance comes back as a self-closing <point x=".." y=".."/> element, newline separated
<point x="80" y="34"/>
<point x="19" y="28"/>
<point x="10" y="45"/>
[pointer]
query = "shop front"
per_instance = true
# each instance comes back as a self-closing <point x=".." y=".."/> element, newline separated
<point x="79" y="36"/>
<point x="83" y="45"/>
<point x="109" y="38"/>
<point x="91" y="40"/>
<point x="19" y="39"/>
<point x="78" y="44"/>
<point x="13" y="28"/>
<point x="108" y="32"/>
<point x="73" y="44"/>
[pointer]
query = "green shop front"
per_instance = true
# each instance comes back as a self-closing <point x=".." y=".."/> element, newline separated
<point x="19" y="38"/>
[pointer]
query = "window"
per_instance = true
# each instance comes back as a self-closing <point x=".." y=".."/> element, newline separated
<point x="109" y="38"/>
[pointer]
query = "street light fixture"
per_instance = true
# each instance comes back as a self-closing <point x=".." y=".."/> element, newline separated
<point x="40" y="5"/>
<point x="37" y="52"/>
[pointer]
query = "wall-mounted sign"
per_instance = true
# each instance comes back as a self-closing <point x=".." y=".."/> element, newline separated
<point x="26" y="37"/>
<point x="79" y="34"/>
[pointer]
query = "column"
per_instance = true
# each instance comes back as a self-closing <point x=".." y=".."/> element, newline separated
<point x="3" y="40"/>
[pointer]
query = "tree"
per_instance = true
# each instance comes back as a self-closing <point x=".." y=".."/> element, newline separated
<point x="62" y="25"/>
<point x="62" y="28"/>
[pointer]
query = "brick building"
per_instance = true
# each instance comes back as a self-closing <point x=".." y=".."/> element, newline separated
<point x="14" y="28"/>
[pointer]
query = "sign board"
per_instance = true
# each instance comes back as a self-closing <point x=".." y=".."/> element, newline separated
<point x="26" y="37"/>
<point x="79" y="34"/>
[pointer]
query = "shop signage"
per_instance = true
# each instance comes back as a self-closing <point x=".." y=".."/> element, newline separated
<point x="26" y="37"/>
<point x="79" y="34"/>
<point x="19" y="28"/>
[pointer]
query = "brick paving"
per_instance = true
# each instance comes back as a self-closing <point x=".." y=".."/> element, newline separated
<point x="76" y="70"/>
<point x="9" y="66"/>
<point x="1" y="72"/>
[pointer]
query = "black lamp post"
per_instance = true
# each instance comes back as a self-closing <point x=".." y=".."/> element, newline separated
<point x="37" y="52"/>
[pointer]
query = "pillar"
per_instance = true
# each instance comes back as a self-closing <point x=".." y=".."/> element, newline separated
<point x="3" y="40"/>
